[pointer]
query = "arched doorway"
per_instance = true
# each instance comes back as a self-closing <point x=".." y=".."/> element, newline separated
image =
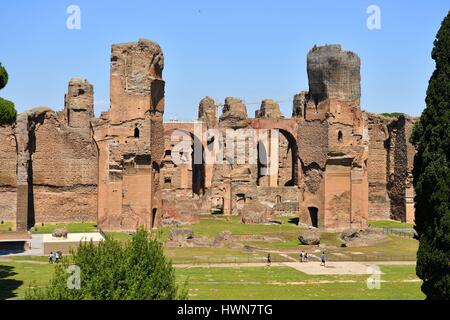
<point x="192" y="166"/>
<point x="314" y="216"/>
<point x="278" y="199"/>
<point x="288" y="162"/>
<point x="287" y="166"/>
<point x="262" y="165"/>
<point x="153" y="221"/>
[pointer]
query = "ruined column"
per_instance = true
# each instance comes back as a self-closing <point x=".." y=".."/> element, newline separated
<point x="234" y="114"/>
<point x="207" y="112"/>
<point x="26" y="145"/>
<point x="23" y="162"/>
<point x="79" y="104"/>
<point x="333" y="104"/>
<point x="131" y="140"/>
<point x="269" y="109"/>
<point x="333" y="74"/>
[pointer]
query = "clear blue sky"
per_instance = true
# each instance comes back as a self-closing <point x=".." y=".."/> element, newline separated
<point x="247" y="49"/>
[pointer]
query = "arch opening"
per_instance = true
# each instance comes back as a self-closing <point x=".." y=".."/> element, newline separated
<point x="193" y="167"/>
<point x="154" y="212"/>
<point x="314" y="216"/>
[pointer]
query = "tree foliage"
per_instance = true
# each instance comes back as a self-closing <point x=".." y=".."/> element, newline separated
<point x="3" y="77"/>
<point x="137" y="270"/>
<point x="431" y="136"/>
<point x="8" y="113"/>
<point x="392" y="114"/>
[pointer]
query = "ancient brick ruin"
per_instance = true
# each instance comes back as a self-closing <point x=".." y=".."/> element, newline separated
<point x="330" y="163"/>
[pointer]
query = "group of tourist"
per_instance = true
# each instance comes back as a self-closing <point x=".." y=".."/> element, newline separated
<point x="54" y="257"/>
<point x="303" y="258"/>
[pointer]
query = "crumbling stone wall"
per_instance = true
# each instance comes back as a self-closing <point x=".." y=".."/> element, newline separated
<point x="282" y="200"/>
<point x="207" y="112"/>
<point x="323" y="152"/>
<point x="332" y="147"/>
<point x="130" y="138"/>
<point x="401" y="156"/>
<point x="390" y="167"/>
<point x="269" y="109"/>
<point x="79" y="105"/>
<point x="379" y="201"/>
<point x="337" y="167"/>
<point x="56" y="171"/>
<point x="8" y="177"/>
<point x="333" y="74"/>
<point x="64" y="168"/>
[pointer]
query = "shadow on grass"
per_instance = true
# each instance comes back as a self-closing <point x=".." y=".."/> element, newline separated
<point x="293" y="221"/>
<point x="7" y="286"/>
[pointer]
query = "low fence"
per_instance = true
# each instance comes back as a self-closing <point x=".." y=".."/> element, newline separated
<point x="280" y="258"/>
<point x="229" y="259"/>
<point x="404" y="233"/>
<point x="371" y="257"/>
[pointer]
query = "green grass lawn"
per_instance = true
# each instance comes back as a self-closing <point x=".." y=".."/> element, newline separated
<point x="217" y="255"/>
<point x="71" y="227"/>
<point x="211" y="226"/>
<point x="120" y="236"/>
<point x="28" y="258"/>
<point x="17" y="277"/>
<point x="394" y="246"/>
<point x="390" y="224"/>
<point x="397" y="282"/>
<point x="282" y="237"/>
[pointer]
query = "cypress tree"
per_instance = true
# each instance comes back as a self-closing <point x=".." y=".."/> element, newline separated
<point x="8" y="113"/>
<point x="3" y="77"/>
<point x="431" y="137"/>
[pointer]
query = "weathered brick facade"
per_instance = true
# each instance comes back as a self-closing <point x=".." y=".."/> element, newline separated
<point x="332" y="164"/>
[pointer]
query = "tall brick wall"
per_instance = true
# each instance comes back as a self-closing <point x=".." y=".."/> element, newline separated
<point x="8" y="178"/>
<point x="79" y="105"/>
<point x="56" y="171"/>
<point x="130" y="138"/>
<point x="64" y="173"/>
<point x="379" y="201"/>
<point x="391" y="158"/>
<point x="69" y="166"/>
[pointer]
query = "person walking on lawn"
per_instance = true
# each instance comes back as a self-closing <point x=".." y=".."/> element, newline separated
<point x="323" y="259"/>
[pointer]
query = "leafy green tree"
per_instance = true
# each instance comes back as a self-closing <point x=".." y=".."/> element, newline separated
<point x="431" y="136"/>
<point x="137" y="270"/>
<point x="3" y="77"/>
<point x="8" y="113"/>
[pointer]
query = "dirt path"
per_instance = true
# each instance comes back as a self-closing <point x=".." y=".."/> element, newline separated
<point x="312" y="268"/>
<point x="227" y="265"/>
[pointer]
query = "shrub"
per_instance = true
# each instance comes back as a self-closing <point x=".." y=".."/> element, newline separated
<point x="8" y="113"/>
<point x="111" y="270"/>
